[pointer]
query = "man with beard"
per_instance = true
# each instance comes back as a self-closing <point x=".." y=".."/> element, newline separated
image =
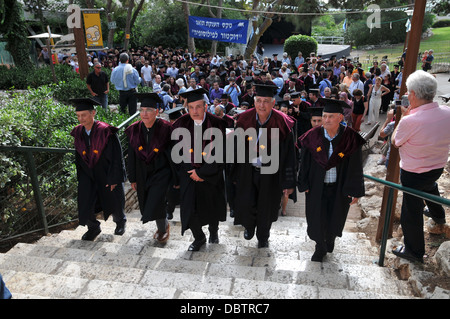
<point x="149" y="164"/>
<point x="100" y="170"/>
<point x="331" y="175"/>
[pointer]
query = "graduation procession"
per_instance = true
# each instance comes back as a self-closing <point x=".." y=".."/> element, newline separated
<point x="227" y="135"/>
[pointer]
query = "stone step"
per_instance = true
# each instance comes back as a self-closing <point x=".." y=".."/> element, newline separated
<point x="153" y="285"/>
<point x="136" y="266"/>
<point x="66" y="261"/>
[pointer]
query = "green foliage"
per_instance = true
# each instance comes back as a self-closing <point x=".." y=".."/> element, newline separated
<point x="35" y="118"/>
<point x="392" y="26"/>
<point x="302" y="43"/>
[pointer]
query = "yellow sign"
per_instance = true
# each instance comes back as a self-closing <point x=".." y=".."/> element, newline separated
<point x="127" y="36"/>
<point x="93" y="29"/>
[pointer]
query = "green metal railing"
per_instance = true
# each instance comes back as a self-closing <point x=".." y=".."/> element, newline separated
<point x="40" y="180"/>
<point x="411" y="191"/>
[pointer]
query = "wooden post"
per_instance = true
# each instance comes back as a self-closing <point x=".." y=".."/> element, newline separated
<point x="393" y="170"/>
<point x="83" y="67"/>
<point x="52" y="67"/>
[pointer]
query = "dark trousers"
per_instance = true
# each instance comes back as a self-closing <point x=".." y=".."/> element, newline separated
<point x="263" y="223"/>
<point x="127" y="98"/>
<point x="196" y="227"/>
<point x="412" y="208"/>
<point x="327" y="207"/>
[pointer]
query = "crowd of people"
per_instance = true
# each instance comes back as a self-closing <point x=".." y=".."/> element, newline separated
<point x="229" y="81"/>
<point x="317" y="104"/>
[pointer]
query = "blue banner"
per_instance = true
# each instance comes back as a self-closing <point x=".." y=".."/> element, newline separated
<point x="224" y="30"/>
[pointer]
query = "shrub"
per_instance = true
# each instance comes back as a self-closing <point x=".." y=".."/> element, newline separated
<point x="35" y="118"/>
<point x="441" y="23"/>
<point x="302" y="43"/>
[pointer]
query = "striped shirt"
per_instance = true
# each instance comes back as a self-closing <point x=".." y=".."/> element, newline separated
<point x="331" y="174"/>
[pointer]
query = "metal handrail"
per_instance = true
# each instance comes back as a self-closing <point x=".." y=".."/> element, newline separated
<point x="411" y="191"/>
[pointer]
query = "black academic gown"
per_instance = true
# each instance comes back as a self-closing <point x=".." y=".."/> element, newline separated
<point x="259" y="205"/>
<point x="347" y="158"/>
<point x="303" y="118"/>
<point x="149" y="166"/>
<point x="205" y="199"/>
<point x="99" y="162"/>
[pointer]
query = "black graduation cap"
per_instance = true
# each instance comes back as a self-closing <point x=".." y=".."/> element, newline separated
<point x="295" y="95"/>
<point x="248" y="79"/>
<point x="149" y="99"/>
<point x="194" y="95"/>
<point x="268" y="89"/>
<point x="316" y="91"/>
<point x="275" y="54"/>
<point x="175" y="113"/>
<point x="315" y="111"/>
<point x="257" y="72"/>
<point x="84" y="104"/>
<point x="224" y="96"/>
<point x="334" y="106"/>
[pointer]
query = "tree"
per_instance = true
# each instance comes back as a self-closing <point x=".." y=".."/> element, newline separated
<point x="131" y="19"/>
<point x="14" y="31"/>
<point x="218" y="15"/>
<point x="260" y="23"/>
<point x="128" y="26"/>
<point x="187" y="13"/>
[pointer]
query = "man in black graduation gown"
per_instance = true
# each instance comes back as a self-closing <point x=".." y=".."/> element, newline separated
<point x="301" y="113"/>
<point x="275" y="63"/>
<point x="202" y="188"/>
<point x="258" y="191"/>
<point x="149" y="164"/>
<point x="100" y="170"/>
<point x="331" y="175"/>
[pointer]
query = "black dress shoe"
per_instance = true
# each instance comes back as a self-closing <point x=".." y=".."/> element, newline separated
<point x="263" y="243"/>
<point x="248" y="234"/>
<point x="401" y="252"/>
<point x="169" y="215"/>
<point x="439" y="221"/>
<point x="318" y="255"/>
<point x="197" y="244"/>
<point x="120" y="229"/>
<point x="330" y="245"/>
<point x="91" y="234"/>
<point x="231" y="213"/>
<point x="213" y="238"/>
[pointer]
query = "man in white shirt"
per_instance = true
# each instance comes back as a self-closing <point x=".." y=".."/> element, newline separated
<point x="356" y="84"/>
<point x="146" y="74"/>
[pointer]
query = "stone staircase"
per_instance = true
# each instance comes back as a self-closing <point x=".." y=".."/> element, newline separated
<point x="136" y="266"/>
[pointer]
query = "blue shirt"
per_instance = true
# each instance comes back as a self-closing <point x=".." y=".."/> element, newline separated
<point x="324" y="84"/>
<point x="233" y="92"/>
<point x="132" y="79"/>
<point x="299" y="61"/>
<point x="278" y="82"/>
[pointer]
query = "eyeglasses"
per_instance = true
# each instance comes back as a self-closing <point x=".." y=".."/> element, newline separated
<point x="97" y="67"/>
